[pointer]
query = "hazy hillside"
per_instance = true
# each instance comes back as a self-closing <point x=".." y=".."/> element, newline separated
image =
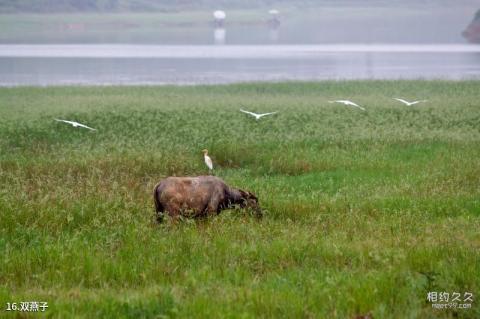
<point x="43" y="6"/>
<point x="56" y="6"/>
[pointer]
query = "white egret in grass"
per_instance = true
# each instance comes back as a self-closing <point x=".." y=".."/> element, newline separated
<point x="76" y="124"/>
<point x="208" y="160"/>
<point x="257" y="116"/>
<point x="349" y="103"/>
<point x="409" y="103"/>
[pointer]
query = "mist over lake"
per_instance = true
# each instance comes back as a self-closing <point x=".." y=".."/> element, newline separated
<point x="143" y="64"/>
<point x="377" y="40"/>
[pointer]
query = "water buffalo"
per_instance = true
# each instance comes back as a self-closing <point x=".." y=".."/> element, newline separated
<point x="199" y="196"/>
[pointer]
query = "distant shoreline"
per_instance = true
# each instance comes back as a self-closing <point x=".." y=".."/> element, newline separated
<point x="224" y="52"/>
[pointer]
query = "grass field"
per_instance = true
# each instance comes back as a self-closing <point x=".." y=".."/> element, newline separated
<point x="365" y="212"/>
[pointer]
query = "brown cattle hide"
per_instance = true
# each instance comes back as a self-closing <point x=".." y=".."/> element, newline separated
<point x="199" y="196"/>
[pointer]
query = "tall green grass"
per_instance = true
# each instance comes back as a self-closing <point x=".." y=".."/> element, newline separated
<point x="365" y="212"/>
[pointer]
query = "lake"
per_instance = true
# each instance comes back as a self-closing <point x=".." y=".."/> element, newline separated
<point x="107" y="64"/>
<point x="347" y="40"/>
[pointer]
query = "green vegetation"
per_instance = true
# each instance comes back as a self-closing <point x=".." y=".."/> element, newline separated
<point x="365" y="211"/>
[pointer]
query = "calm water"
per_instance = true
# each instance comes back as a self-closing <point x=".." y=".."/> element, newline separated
<point x="345" y="40"/>
<point x="204" y="64"/>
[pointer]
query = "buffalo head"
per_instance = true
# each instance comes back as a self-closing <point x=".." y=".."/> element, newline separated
<point x="249" y="200"/>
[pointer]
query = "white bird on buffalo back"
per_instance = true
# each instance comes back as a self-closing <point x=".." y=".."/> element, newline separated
<point x="208" y="160"/>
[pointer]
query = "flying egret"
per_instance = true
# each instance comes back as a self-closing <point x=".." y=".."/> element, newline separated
<point x="409" y="103"/>
<point x="76" y="124"/>
<point x="208" y="160"/>
<point x="347" y="102"/>
<point x="257" y="116"/>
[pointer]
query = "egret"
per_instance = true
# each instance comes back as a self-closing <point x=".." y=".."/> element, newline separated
<point x="257" y="116"/>
<point x="208" y="160"/>
<point x="409" y="103"/>
<point x="76" y="124"/>
<point x="347" y="102"/>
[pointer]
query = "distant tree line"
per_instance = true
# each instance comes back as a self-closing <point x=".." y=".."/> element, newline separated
<point x="46" y="6"/>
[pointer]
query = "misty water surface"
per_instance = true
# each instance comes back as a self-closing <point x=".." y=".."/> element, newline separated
<point x="140" y="64"/>
<point x="379" y="40"/>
